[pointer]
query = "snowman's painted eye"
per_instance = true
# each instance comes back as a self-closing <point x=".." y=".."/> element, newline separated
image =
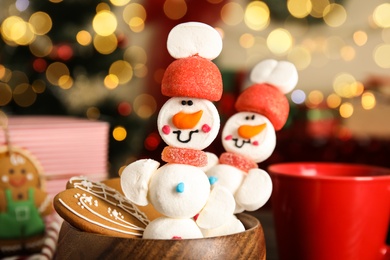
<point x="23" y="171"/>
<point x="11" y="171"/>
<point x="250" y="117"/>
<point x="187" y="102"/>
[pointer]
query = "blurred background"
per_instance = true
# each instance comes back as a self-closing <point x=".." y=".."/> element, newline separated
<point x="104" y="60"/>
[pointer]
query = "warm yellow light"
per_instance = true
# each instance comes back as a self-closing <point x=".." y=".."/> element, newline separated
<point x="346" y="110"/>
<point x="41" y="22"/>
<point x="335" y="15"/>
<point x="299" y="8"/>
<point x="175" y="9"/>
<point x="111" y="81"/>
<point x="135" y="54"/>
<point x="93" y="113"/>
<point x="104" y="23"/>
<point x="257" y="15"/>
<point x="119" y="2"/>
<point x="333" y="100"/>
<point x="318" y="8"/>
<point x="122" y="70"/>
<point x="144" y="105"/>
<point x="314" y="98"/>
<point x="344" y="85"/>
<point x="381" y="15"/>
<point x="300" y="56"/>
<point x="136" y="24"/>
<point x="247" y="40"/>
<point x="279" y="41"/>
<point x="105" y="44"/>
<point x="119" y="133"/>
<point x="84" y="38"/>
<point x="42" y="46"/>
<point x="24" y="95"/>
<point x="382" y="56"/>
<point x="5" y="94"/>
<point x="65" y="82"/>
<point x="360" y="38"/>
<point x="348" y="53"/>
<point x="232" y="13"/>
<point x="55" y="71"/>
<point x="368" y="100"/>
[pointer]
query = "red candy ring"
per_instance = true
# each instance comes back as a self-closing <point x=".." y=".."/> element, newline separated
<point x="192" y="157"/>
<point x="241" y="162"/>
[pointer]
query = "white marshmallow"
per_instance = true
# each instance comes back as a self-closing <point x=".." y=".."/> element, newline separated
<point x="212" y="160"/>
<point x="194" y="38"/>
<point x="186" y="203"/>
<point x="227" y="176"/>
<point x="232" y="226"/>
<point x="168" y="228"/>
<point x="260" y="146"/>
<point x="255" y="190"/>
<point x="281" y="74"/>
<point x="198" y="137"/>
<point x="135" y="180"/>
<point x="220" y="206"/>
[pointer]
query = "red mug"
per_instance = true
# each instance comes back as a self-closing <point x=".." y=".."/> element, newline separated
<point x="331" y="211"/>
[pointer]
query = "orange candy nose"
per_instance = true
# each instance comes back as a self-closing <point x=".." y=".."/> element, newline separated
<point x="248" y="131"/>
<point x="186" y="121"/>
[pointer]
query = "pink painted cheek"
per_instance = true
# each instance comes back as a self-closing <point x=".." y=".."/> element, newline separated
<point x="166" y="129"/>
<point x="228" y="137"/>
<point x="206" y="128"/>
<point x="255" y="143"/>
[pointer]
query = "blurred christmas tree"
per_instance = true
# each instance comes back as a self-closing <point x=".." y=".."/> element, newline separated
<point x="73" y="58"/>
<point x="90" y="59"/>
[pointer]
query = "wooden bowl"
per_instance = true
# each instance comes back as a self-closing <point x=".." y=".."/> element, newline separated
<point x="250" y="244"/>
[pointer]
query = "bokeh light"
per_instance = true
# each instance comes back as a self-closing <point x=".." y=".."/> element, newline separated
<point x="279" y="41"/>
<point x="5" y="94"/>
<point x="232" y="13"/>
<point x="104" y="23"/>
<point x="360" y="38"/>
<point x="122" y="70"/>
<point x="144" y="105"/>
<point x="368" y="100"/>
<point x="41" y="22"/>
<point x="335" y="15"/>
<point x="346" y="110"/>
<point x="257" y="15"/>
<point x="84" y="38"/>
<point x="175" y="9"/>
<point x="381" y="15"/>
<point x="105" y="44"/>
<point x="55" y="71"/>
<point x="333" y="100"/>
<point x="299" y="8"/>
<point x="119" y="133"/>
<point x="382" y="55"/>
<point x="298" y="96"/>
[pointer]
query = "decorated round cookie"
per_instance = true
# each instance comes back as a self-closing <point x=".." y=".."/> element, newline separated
<point x="188" y="122"/>
<point x="23" y="203"/>
<point x="95" y="207"/>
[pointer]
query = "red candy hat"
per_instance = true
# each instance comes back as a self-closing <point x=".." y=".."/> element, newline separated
<point x="266" y="100"/>
<point x="194" y="77"/>
<point x="273" y="80"/>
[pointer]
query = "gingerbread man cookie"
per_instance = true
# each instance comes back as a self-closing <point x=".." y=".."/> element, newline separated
<point x="23" y="203"/>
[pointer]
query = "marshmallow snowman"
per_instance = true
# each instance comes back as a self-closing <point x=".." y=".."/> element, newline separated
<point x="249" y="137"/>
<point x="188" y="122"/>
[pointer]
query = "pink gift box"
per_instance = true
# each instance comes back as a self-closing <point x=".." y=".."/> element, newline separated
<point x="64" y="146"/>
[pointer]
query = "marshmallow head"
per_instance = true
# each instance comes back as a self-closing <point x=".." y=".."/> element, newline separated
<point x="266" y="100"/>
<point x="194" y="38"/>
<point x="249" y="134"/>
<point x="188" y="122"/>
<point x="194" y="77"/>
<point x="280" y="74"/>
